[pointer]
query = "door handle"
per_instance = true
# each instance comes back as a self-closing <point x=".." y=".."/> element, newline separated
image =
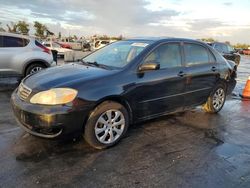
<point x="181" y="74"/>
<point x="213" y="69"/>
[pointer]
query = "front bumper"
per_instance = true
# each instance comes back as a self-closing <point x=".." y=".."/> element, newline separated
<point x="48" y="121"/>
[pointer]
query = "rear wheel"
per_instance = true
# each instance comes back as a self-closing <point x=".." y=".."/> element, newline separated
<point x="33" y="68"/>
<point x="106" y="125"/>
<point x="216" y="100"/>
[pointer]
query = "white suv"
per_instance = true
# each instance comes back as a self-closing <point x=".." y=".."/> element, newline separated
<point x="23" y="55"/>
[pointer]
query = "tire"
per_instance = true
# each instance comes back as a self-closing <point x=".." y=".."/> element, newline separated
<point x="216" y="100"/>
<point x="107" y="119"/>
<point x="33" y="68"/>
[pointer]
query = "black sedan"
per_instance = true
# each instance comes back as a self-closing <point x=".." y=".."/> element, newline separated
<point x="123" y="83"/>
<point x="227" y="51"/>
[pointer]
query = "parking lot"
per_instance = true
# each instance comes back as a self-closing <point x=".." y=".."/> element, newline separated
<point x="189" y="149"/>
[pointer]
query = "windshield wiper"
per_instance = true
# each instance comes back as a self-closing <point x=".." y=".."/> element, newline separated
<point x="95" y="64"/>
<point x="90" y="63"/>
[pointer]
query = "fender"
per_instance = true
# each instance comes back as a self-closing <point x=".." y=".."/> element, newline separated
<point x="34" y="61"/>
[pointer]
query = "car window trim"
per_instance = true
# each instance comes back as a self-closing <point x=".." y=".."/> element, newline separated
<point x="164" y="43"/>
<point x="198" y="64"/>
<point x="214" y="58"/>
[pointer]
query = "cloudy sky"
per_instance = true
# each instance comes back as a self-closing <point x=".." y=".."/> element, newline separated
<point x="223" y="20"/>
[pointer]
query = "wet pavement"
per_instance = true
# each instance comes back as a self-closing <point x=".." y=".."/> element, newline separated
<point x="190" y="149"/>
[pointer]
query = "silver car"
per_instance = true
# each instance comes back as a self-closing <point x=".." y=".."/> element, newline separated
<point x="23" y="55"/>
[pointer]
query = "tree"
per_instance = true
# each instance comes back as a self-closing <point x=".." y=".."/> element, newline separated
<point x="40" y="29"/>
<point x="243" y="46"/>
<point x="12" y="28"/>
<point x="23" y="27"/>
<point x="208" y="40"/>
<point x="1" y="28"/>
<point x="59" y="35"/>
<point x="75" y="37"/>
<point x="120" y="37"/>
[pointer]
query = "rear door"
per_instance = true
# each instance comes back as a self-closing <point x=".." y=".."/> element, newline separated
<point x="160" y="91"/>
<point x="10" y="48"/>
<point x="202" y="73"/>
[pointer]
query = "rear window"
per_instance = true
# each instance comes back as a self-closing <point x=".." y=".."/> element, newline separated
<point x="195" y="54"/>
<point x="8" y="42"/>
<point x="37" y="43"/>
<point x="221" y="48"/>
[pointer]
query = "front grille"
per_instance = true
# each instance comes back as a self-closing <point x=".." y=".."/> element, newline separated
<point x="23" y="91"/>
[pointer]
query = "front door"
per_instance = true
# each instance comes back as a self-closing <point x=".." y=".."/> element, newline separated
<point x="160" y="91"/>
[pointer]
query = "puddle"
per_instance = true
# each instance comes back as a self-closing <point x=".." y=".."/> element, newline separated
<point x="213" y="134"/>
<point x="8" y="83"/>
<point x="228" y="150"/>
<point x="31" y="149"/>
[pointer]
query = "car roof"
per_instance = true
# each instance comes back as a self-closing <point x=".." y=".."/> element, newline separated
<point x="164" y="39"/>
<point x="216" y="43"/>
<point x="16" y="35"/>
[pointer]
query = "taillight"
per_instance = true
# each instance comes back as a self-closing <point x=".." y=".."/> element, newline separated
<point x="46" y="50"/>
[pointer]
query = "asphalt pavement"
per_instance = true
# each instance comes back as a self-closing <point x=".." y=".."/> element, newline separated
<point x="189" y="149"/>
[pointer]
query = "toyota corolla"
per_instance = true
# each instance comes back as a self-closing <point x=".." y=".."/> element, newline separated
<point x="125" y="82"/>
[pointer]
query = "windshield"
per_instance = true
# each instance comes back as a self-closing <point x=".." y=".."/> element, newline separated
<point x="117" y="54"/>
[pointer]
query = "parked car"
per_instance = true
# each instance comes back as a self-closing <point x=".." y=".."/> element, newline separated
<point x="100" y="43"/>
<point x="86" y="46"/>
<point x="246" y="51"/>
<point x="125" y="82"/>
<point x="22" y="55"/>
<point x="227" y="51"/>
<point x="240" y="51"/>
<point x="64" y="45"/>
<point x="57" y="47"/>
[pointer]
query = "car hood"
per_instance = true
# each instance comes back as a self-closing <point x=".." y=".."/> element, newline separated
<point x="62" y="76"/>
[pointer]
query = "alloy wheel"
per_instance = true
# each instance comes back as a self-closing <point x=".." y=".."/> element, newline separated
<point x="109" y="126"/>
<point x="218" y="98"/>
<point x="35" y="69"/>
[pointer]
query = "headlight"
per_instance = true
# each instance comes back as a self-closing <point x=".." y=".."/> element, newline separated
<point x="54" y="96"/>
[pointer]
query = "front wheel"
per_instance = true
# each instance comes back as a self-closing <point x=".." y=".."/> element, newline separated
<point x="216" y="100"/>
<point x="33" y="68"/>
<point x="106" y="125"/>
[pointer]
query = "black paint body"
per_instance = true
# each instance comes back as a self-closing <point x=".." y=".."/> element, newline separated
<point x="145" y="95"/>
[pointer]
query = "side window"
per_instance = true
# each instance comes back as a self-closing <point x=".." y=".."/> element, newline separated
<point x="12" y="42"/>
<point x="25" y="42"/>
<point x="1" y="41"/>
<point x="195" y="54"/>
<point x="167" y="55"/>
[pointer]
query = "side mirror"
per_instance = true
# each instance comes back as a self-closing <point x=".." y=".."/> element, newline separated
<point x="149" y="66"/>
